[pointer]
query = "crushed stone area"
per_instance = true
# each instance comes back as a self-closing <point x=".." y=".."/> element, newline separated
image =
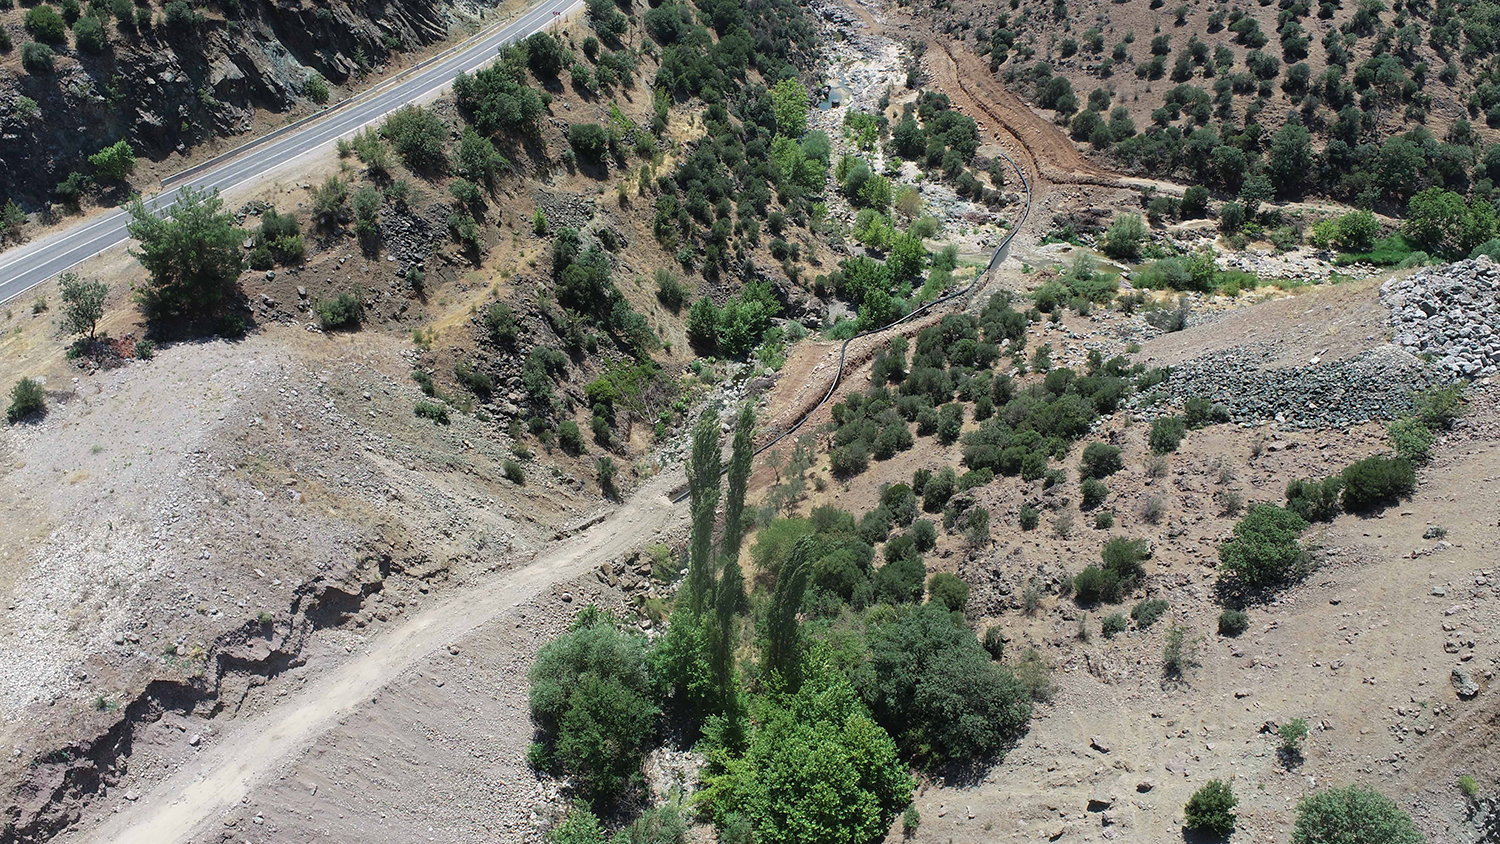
<point x="1451" y="313"/>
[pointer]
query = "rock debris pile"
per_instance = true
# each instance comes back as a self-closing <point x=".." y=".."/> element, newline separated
<point x="1378" y="384"/>
<point x="1451" y="313"/>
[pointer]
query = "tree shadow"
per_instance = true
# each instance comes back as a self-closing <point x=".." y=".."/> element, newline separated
<point x="1197" y="836"/>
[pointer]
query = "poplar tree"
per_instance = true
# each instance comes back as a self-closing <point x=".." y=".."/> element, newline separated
<point x="739" y="478"/>
<point x="781" y="619"/>
<point x="703" y="497"/>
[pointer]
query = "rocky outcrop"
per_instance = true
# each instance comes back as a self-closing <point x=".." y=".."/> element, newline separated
<point x="1450" y="313"/>
<point x="171" y="89"/>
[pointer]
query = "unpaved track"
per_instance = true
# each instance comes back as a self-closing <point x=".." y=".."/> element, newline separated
<point x="251" y="750"/>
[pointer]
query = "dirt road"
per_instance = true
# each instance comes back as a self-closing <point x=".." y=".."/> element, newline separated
<point x="253" y="749"/>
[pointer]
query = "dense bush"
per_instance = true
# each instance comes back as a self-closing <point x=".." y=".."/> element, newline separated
<point x="569" y="438"/>
<point x="418" y="136"/>
<point x="343" y="311"/>
<point x="930" y="682"/>
<point x="1377" y="481"/>
<point x="591" y="693"/>
<point x="1211" y="809"/>
<point x="1411" y="439"/>
<point x="1113" y="625"/>
<point x="589" y="140"/>
<point x="37" y="57"/>
<point x="1166" y="433"/>
<point x="1315" y="501"/>
<point x="1264" y="551"/>
<point x="1353" y="815"/>
<point x="1233" y="622"/>
<point x="26" y="398"/>
<point x="949" y="591"/>
<point x="1145" y="613"/>
<point x="1095" y="585"/>
<point x="1092" y="493"/>
<point x="1100" y="461"/>
<point x="496" y="99"/>
<point x="434" y="411"/>
<point x="45" y="24"/>
<point x="815" y="768"/>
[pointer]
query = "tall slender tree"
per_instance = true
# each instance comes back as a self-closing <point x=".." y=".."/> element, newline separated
<point x="782" y="633"/>
<point x="727" y="597"/>
<point x="703" y="497"/>
<point x="739" y="479"/>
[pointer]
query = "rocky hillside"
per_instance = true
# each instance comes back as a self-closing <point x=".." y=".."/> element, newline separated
<point x="170" y="77"/>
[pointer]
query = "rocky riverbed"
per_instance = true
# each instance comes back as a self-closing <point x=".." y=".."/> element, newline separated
<point x="1450" y="314"/>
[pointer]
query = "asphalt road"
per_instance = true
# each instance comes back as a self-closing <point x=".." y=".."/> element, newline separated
<point x="28" y="265"/>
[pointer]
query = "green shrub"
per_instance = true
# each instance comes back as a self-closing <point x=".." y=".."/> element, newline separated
<point x="589" y="140"/>
<point x="948" y="590"/>
<point x="1123" y="557"/>
<point x="145" y="349"/>
<point x="924" y="535"/>
<point x="1353" y="815"/>
<point x="591" y="693"/>
<point x="994" y="643"/>
<point x="1377" y="481"/>
<point x="1123" y="238"/>
<point x="1092" y="493"/>
<point x="1439" y="407"/>
<point x="344" y="311"/>
<point x="1411" y="439"/>
<point x="1315" y="501"/>
<point x="37" y="57"/>
<point x="89" y="36"/>
<point x="432" y="410"/>
<point x="1104" y="520"/>
<point x="1211" y="809"/>
<point x="1199" y="411"/>
<point x="1030" y="517"/>
<point x="1096" y="585"/>
<point x="1264" y="551"/>
<point x="670" y="290"/>
<point x="500" y="324"/>
<point x="569" y="438"/>
<point x="26" y="398"/>
<point x="1145" y="613"/>
<point x="477" y="382"/>
<point x="1100" y="461"/>
<point x="1166" y="433"/>
<point x="1113" y="625"/>
<point x="514" y="473"/>
<point x="1233" y="622"/>
<point x="45" y="24"/>
<point x="1292" y="733"/>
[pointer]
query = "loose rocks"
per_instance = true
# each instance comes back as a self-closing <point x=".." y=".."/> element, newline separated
<point x="1450" y="312"/>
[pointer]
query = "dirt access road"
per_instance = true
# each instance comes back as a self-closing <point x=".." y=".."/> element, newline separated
<point x="251" y="750"/>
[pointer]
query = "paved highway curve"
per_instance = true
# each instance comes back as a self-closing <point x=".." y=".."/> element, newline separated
<point x="28" y="265"/>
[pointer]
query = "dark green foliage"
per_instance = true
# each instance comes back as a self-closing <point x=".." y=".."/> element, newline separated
<point x="418" y="136"/>
<point x="434" y="411"/>
<point x="37" y="57"/>
<point x="1145" y="613"/>
<point x="495" y="99"/>
<point x="591" y="695"/>
<point x="899" y="581"/>
<point x="994" y="643"/>
<point x="1092" y="493"/>
<point x="500" y="324"/>
<point x="45" y="24"/>
<point x="815" y="768"/>
<point x="1100" y="461"/>
<point x="89" y="36"/>
<point x="343" y="311"/>
<point x="1198" y="412"/>
<point x="1264" y="551"/>
<point x="1315" y="501"/>
<point x="949" y="591"/>
<point x="474" y="379"/>
<point x="26" y="398"/>
<point x="1374" y="482"/>
<point x="924" y="535"/>
<point x="783" y="649"/>
<point x="545" y="54"/>
<point x="1211" y="809"/>
<point x="1096" y="585"/>
<point x="514" y="473"/>
<point x="930" y="682"/>
<point x="192" y="257"/>
<point x="703" y="488"/>
<point x="1029" y="517"/>
<point x="1233" y="622"/>
<point x="670" y="290"/>
<point x="1166" y="433"/>
<point x="280" y="236"/>
<point x="1113" y="625"/>
<point x="1353" y="815"/>
<point x="703" y="323"/>
<point x="367" y="202"/>
<point x="589" y="140"/>
<point x="938" y="490"/>
<point x="738" y="480"/>
<point x="1439" y="407"/>
<point x="569" y="438"/>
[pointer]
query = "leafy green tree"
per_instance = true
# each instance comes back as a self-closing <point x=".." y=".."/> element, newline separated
<point x="579" y="826"/>
<point x="419" y="136"/>
<point x="497" y="101"/>
<point x="1100" y="460"/>
<point x="1211" y="809"/>
<point x="589" y="140"/>
<point x="89" y="36"/>
<point x="1357" y="230"/>
<point x="477" y="158"/>
<point x="790" y="104"/>
<point x="949" y="591"/>
<point x="545" y="54"/>
<point x="192" y="255"/>
<point x="1353" y="815"/>
<point x="1123" y="238"/>
<point x="816" y="768"/>
<point x="1290" y="159"/>
<point x="783" y="650"/>
<point x="83" y="304"/>
<point x="1264" y="550"/>
<point x="1435" y="221"/>
<point x="114" y="161"/>
<point x="930" y="682"/>
<point x="907" y="257"/>
<point x="703" y="323"/>
<point x="591" y="695"/>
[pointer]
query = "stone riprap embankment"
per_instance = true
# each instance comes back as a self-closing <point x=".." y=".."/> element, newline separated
<point x="1451" y="313"/>
<point x="1378" y="384"/>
